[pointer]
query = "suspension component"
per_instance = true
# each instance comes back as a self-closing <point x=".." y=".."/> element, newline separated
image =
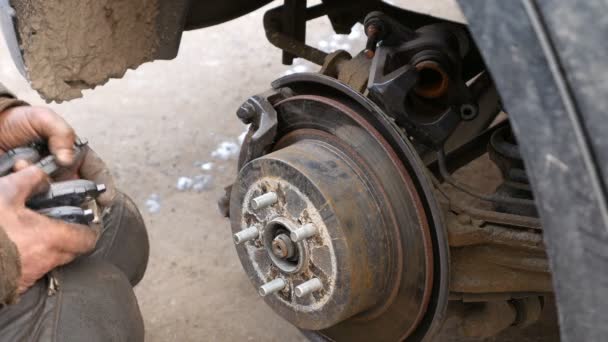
<point x="504" y="152"/>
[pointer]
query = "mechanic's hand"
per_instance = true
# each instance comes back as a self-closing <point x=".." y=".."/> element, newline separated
<point x="25" y="124"/>
<point x="90" y="166"/>
<point x="43" y="243"/>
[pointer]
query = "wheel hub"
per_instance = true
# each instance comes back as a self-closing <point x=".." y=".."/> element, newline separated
<point x="342" y="249"/>
<point x="329" y="227"/>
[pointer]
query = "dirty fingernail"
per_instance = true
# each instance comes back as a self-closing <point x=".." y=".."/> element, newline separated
<point x="65" y="156"/>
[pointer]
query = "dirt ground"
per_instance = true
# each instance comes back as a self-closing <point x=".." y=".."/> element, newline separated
<point x="166" y="120"/>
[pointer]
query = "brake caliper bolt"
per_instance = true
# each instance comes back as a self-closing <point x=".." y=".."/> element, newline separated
<point x="271" y="287"/>
<point x="264" y="201"/>
<point x="308" y="287"/>
<point x="248" y="234"/>
<point x="304" y="232"/>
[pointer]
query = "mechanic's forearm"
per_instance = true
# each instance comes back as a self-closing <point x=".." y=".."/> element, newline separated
<point x="10" y="265"/>
<point x="10" y="270"/>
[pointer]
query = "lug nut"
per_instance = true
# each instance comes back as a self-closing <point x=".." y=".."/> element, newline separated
<point x="248" y="234"/>
<point x="304" y="232"/>
<point x="264" y="201"/>
<point x="271" y="287"/>
<point x="308" y="287"/>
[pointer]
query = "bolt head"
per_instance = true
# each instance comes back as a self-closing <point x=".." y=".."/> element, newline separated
<point x="246" y="113"/>
<point x="282" y="247"/>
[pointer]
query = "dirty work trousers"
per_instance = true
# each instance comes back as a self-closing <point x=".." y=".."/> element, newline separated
<point x="95" y="299"/>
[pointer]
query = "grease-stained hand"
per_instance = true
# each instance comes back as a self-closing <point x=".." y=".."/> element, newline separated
<point x="22" y="125"/>
<point x="43" y="243"/>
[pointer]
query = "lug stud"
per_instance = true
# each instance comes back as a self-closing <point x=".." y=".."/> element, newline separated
<point x="264" y="200"/>
<point x="248" y="234"/>
<point x="308" y="287"/>
<point x="271" y="287"/>
<point x="304" y="232"/>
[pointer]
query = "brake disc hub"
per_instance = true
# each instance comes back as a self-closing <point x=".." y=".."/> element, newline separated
<point x="330" y="228"/>
<point x="320" y="227"/>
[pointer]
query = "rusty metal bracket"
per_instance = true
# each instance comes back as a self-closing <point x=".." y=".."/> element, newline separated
<point x="353" y="71"/>
<point x="258" y="111"/>
<point x="294" y="25"/>
<point x="286" y="29"/>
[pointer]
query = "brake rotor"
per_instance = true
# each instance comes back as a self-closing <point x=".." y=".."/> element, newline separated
<point x="331" y="227"/>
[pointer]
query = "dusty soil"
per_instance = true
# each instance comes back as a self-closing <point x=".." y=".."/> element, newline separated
<point x="162" y="122"/>
<point x="73" y="45"/>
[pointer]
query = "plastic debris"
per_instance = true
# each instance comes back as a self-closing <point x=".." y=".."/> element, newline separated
<point x="351" y="42"/>
<point x="225" y="150"/>
<point x="207" y="166"/>
<point x="153" y="203"/>
<point x="184" y="183"/>
<point x="202" y="183"/>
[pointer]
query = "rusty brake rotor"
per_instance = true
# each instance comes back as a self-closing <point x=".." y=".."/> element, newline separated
<point x="331" y="227"/>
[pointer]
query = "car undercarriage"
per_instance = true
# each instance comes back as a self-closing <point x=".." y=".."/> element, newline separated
<point x="346" y="213"/>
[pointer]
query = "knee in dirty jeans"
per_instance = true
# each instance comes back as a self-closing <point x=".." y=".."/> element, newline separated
<point x="95" y="299"/>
